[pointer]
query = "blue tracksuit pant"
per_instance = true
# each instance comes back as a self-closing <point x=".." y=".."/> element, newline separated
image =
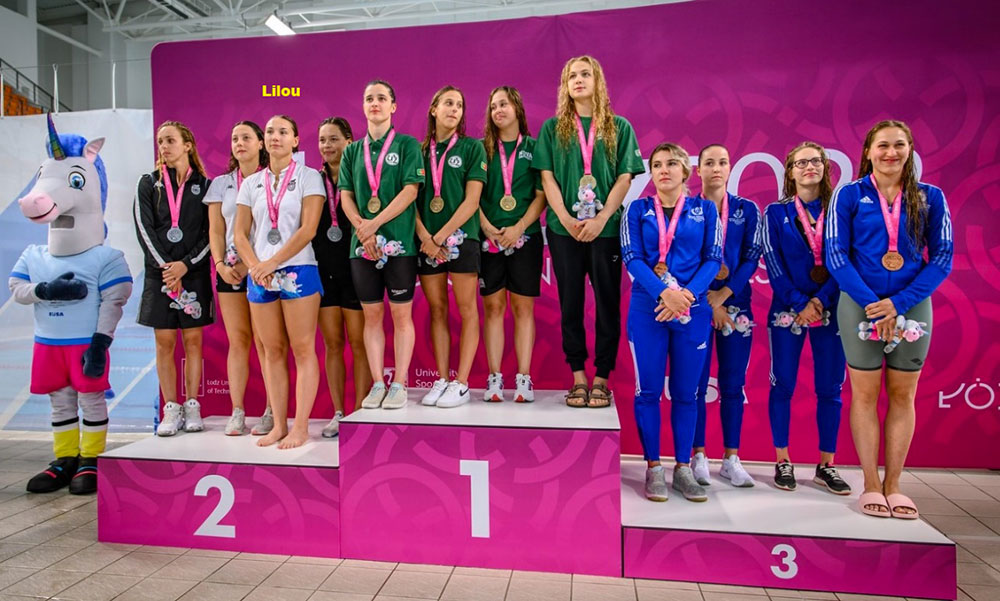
<point x="734" y="355"/>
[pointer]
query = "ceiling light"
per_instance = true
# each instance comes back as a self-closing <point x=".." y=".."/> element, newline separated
<point x="278" y="26"/>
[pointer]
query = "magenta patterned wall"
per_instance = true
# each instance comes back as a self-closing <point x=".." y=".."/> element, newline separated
<point x="699" y="72"/>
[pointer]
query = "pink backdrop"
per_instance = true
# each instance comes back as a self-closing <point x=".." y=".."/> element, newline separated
<point x="695" y="73"/>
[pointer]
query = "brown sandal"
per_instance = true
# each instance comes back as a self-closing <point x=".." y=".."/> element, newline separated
<point x="600" y="397"/>
<point x="578" y="396"/>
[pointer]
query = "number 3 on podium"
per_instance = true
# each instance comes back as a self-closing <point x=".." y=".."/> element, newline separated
<point x="479" y="480"/>
<point x="788" y="568"/>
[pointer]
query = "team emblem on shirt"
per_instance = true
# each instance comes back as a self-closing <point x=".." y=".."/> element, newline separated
<point x="697" y="214"/>
<point x="455" y="162"/>
<point x="737" y="217"/>
<point x="291" y="186"/>
<point x="524" y="154"/>
<point x="638" y="153"/>
<point x="392" y="158"/>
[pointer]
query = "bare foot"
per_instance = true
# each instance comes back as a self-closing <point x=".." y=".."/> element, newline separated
<point x="273" y="436"/>
<point x="295" y="438"/>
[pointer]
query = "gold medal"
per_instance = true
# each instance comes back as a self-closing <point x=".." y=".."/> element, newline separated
<point x="508" y="202"/>
<point x="892" y="260"/>
<point x="723" y="272"/>
<point x="437" y="204"/>
<point x="374" y="204"/>
<point x="588" y="180"/>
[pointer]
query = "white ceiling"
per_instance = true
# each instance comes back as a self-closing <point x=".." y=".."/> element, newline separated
<point x="162" y="20"/>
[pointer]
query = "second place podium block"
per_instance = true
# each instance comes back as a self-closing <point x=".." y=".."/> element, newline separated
<point x="498" y="485"/>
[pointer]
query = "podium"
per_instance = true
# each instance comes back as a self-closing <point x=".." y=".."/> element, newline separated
<point x="207" y="490"/>
<point x="497" y="485"/>
<point x="766" y="537"/>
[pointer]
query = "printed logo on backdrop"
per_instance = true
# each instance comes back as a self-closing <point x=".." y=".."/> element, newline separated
<point x="392" y="158"/>
<point x="455" y="162"/>
<point x="983" y="398"/>
<point x="711" y="393"/>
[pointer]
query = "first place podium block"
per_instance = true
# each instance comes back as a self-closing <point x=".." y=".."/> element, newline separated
<point x="497" y="485"/>
<point x="210" y="491"/>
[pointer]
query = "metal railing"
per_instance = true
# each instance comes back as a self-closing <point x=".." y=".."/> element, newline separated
<point x="26" y="87"/>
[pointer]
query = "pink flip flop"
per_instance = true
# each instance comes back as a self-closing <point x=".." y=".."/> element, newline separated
<point x="904" y="502"/>
<point x="873" y="498"/>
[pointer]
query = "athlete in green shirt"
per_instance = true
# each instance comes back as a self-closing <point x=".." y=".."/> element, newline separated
<point x="587" y="156"/>
<point x="512" y="237"/>
<point x="448" y="208"/>
<point x="378" y="180"/>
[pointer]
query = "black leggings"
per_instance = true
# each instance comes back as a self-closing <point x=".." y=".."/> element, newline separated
<point x="601" y="261"/>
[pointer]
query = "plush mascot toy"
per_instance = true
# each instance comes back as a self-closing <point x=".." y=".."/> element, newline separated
<point x="78" y="287"/>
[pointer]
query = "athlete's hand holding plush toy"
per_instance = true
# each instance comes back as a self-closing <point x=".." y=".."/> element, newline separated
<point x="78" y="287"/>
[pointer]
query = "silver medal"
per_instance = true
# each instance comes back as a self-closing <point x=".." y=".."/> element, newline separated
<point x="273" y="236"/>
<point x="175" y="235"/>
<point x="335" y="234"/>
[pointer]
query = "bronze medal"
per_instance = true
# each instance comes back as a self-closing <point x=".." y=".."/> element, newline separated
<point x="508" y="203"/>
<point x="437" y="204"/>
<point x="892" y="260"/>
<point x="819" y="274"/>
<point x="723" y="272"/>
<point x="659" y="269"/>
<point x="588" y="180"/>
<point x="374" y="204"/>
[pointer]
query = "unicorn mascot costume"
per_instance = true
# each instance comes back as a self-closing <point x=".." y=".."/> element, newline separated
<point x="78" y="287"/>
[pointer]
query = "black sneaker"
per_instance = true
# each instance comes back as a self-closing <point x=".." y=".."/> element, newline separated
<point x="826" y="475"/>
<point x="784" y="475"/>
<point x="58" y="475"/>
<point x="85" y="480"/>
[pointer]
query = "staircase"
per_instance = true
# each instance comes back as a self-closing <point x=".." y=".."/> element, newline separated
<point x="22" y="96"/>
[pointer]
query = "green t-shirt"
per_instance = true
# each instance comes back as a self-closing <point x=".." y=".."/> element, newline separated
<point x="465" y="161"/>
<point x="402" y="166"/>
<point x="566" y="164"/>
<point x="523" y="185"/>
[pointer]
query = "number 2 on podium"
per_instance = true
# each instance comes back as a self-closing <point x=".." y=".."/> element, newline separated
<point x="227" y="496"/>
<point x="479" y="481"/>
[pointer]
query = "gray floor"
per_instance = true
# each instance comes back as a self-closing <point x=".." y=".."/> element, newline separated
<point x="49" y="550"/>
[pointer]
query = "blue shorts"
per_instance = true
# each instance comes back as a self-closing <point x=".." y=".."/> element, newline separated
<point x="288" y="283"/>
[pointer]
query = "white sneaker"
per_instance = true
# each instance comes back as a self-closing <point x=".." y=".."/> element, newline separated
<point x="699" y="465"/>
<point x="431" y="398"/>
<point x="374" y="398"/>
<point x="733" y="470"/>
<point x="237" y="423"/>
<point x="525" y="392"/>
<point x="494" y="388"/>
<point x="455" y="394"/>
<point x="332" y="429"/>
<point x="265" y="425"/>
<point x="395" y="398"/>
<point x="173" y="419"/>
<point x="192" y="416"/>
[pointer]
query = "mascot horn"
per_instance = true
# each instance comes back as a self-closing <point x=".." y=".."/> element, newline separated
<point x="78" y="287"/>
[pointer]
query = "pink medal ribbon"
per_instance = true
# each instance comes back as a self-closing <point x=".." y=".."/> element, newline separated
<point x="891" y="260"/>
<point x="437" y="173"/>
<point x="508" y="202"/>
<point x="724" y="217"/>
<point x="814" y="236"/>
<point x="239" y="178"/>
<point x="375" y="173"/>
<point x="174" y="234"/>
<point x="274" y="203"/>
<point x="333" y="233"/>
<point x="586" y="144"/>
<point x="666" y="237"/>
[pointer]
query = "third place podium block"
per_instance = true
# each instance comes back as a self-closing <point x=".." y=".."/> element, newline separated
<point x="501" y="485"/>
